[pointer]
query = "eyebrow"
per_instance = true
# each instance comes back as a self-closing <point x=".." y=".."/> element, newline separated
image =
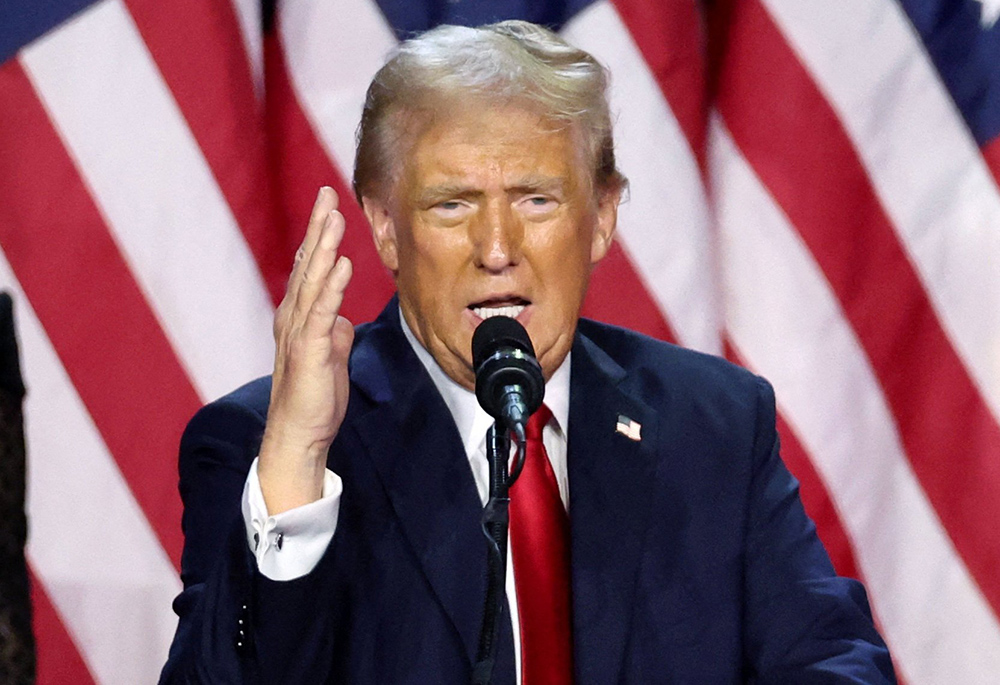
<point x="534" y="184"/>
<point x="435" y="194"/>
<point x="528" y="184"/>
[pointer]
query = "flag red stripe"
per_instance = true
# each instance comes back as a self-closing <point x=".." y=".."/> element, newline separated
<point x="671" y="38"/>
<point x="112" y="346"/>
<point x="811" y="168"/>
<point x="301" y="166"/>
<point x="59" y="661"/>
<point x="204" y="63"/>
<point x="991" y="152"/>
<point x="618" y="296"/>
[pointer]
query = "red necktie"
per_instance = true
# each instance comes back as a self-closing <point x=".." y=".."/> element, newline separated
<point x="539" y="545"/>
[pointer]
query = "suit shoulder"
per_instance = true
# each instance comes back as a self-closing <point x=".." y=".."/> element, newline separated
<point x="657" y="365"/>
<point x="233" y="418"/>
<point x="241" y="414"/>
<point x="252" y="397"/>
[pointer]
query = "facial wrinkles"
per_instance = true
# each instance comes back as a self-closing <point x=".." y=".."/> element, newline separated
<point x="490" y="164"/>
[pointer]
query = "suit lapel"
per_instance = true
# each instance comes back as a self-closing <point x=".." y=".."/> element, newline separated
<point x="610" y="484"/>
<point x="419" y="456"/>
<point x="412" y="440"/>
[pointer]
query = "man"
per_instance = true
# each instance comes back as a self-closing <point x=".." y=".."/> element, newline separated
<point x="332" y="517"/>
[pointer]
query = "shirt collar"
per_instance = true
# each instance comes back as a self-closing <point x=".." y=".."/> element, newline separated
<point x="471" y="419"/>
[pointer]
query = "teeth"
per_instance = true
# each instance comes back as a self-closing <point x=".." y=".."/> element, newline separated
<point x="486" y="312"/>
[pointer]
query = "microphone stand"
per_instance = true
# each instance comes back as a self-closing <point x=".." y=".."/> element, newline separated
<point x="495" y="523"/>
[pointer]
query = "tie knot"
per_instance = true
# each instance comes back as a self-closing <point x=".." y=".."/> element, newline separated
<point x="537" y="422"/>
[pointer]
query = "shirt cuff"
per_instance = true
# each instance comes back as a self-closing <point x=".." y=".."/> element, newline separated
<point x="290" y="544"/>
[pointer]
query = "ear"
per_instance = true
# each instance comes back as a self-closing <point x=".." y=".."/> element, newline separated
<point x="383" y="232"/>
<point x="607" y="220"/>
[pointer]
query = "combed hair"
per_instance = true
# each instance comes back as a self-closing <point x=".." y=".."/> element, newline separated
<point x="511" y="61"/>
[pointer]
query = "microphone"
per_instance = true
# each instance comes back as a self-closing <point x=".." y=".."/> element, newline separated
<point x="509" y="382"/>
<point x="509" y="386"/>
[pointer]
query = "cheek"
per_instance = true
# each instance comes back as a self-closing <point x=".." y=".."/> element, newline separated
<point x="439" y="274"/>
<point x="568" y="269"/>
<point x="566" y="237"/>
<point x="568" y="256"/>
<point x="434" y="266"/>
<point x="565" y="284"/>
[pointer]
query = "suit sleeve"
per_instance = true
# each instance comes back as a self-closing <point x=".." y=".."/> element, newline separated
<point x="235" y="625"/>
<point x="804" y="624"/>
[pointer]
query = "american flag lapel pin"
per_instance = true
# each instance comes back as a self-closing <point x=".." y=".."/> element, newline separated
<point x="629" y="428"/>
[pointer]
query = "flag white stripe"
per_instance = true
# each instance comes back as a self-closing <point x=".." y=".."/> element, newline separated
<point x="787" y="324"/>
<point x="90" y="544"/>
<point x="161" y="203"/>
<point x="332" y="52"/>
<point x="923" y="162"/>
<point x="664" y="224"/>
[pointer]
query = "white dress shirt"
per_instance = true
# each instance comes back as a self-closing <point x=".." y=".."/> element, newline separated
<point x="290" y="544"/>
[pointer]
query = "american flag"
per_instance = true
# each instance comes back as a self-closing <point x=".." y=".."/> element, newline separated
<point x="815" y="194"/>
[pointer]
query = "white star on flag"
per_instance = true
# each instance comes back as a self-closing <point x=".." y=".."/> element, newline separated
<point x="989" y="13"/>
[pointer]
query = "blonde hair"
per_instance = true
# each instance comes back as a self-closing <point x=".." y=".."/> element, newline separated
<point x="508" y="61"/>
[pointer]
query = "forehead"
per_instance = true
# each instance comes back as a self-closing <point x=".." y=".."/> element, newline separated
<point x="482" y="145"/>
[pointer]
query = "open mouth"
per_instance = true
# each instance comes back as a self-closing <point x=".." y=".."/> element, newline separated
<point x="511" y="307"/>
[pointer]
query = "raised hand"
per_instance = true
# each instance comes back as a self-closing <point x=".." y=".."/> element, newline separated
<point x="310" y="384"/>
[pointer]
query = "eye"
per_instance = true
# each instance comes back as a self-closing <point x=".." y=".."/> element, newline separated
<point x="449" y="207"/>
<point x="538" y="204"/>
<point x="450" y="211"/>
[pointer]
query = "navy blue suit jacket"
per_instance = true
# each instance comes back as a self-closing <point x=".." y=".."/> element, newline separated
<point x="692" y="559"/>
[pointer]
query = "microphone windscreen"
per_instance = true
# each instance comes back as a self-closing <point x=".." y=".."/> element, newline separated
<point x="497" y="332"/>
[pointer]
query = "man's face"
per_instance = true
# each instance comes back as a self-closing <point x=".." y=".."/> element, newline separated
<point x="494" y="211"/>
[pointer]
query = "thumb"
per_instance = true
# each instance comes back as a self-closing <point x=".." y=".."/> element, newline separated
<point x="343" y="337"/>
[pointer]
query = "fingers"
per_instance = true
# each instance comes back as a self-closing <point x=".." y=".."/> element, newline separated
<point x="321" y="262"/>
<point x="326" y="202"/>
<point x="310" y="385"/>
<point x="323" y="313"/>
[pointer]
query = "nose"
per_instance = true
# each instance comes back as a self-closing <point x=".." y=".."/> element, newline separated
<point x="498" y="238"/>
